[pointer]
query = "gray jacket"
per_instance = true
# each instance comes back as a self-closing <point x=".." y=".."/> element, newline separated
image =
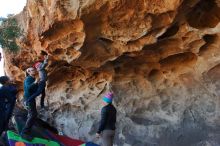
<point x="42" y="71"/>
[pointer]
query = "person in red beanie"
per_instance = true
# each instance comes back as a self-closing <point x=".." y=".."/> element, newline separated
<point x="40" y="66"/>
<point x="108" y="119"/>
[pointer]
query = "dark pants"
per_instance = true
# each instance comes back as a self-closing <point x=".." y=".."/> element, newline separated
<point x="107" y="137"/>
<point x="3" y="117"/>
<point x="10" y="107"/>
<point x="40" y="90"/>
<point x="3" y="123"/>
<point x="31" y="118"/>
<point x="42" y="98"/>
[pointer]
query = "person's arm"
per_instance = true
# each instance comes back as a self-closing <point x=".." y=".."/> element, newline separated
<point x="13" y="89"/>
<point x="103" y="120"/>
<point x="40" y="89"/>
<point x="30" y="84"/>
<point x="13" y="92"/>
<point x="45" y="63"/>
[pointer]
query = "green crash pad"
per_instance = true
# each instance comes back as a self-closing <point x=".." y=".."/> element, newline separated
<point x="13" y="138"/>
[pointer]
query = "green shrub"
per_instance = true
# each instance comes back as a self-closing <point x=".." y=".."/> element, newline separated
<point x="9" y="31"/>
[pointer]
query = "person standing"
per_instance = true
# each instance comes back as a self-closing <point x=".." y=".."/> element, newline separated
<point x="8" y="93"/>
<point x="107" y="127"/>
<point x="30" y="86"/>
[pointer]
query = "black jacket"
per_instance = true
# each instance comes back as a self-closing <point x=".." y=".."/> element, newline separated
<point x="8" y="94"/>
<point x="108" y="118"/>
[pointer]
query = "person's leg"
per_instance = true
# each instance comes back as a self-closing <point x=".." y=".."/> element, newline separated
<point x="32" y="115"/>
<point x="108" y="137"/>
<point x="2" y="122"/>
<point x="40" y="88"/>
<point x="42" y="98"/>
<point x="10" y="109"/>
<point x="111" y="137"/>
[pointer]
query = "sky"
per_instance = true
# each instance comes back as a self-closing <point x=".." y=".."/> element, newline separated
<point x="9" y="7"/>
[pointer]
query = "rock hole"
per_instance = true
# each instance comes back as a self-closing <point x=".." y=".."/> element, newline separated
<point x="105" y="40"/>
<point x="204" y="15"/>
<point x="209" y="38"/>
<point x="171" y="31"/>
<point x="58" y="51"/>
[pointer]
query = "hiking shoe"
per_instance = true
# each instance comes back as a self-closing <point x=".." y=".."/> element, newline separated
<point x="27" y="137"/>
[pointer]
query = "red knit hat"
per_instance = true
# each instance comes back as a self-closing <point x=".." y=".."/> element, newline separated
<point x="36" y="64"/>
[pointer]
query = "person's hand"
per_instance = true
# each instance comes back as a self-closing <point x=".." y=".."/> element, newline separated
<point x="98" y="135"/>
<point x="12" y="80"/>
<point x="37" y="80"/>
<point x="25" y="105"/>
<point x="46" y="57"/>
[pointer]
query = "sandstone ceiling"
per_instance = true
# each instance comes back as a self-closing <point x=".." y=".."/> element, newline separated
<point x="148" y="50"/>
<point x="138" y="35"/>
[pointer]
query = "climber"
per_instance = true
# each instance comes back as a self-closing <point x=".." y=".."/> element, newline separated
<point x="30" y="86"/>
<point x="40" y="66"/>
<point x="8" y="93"/>
<point x="108" y="119"/>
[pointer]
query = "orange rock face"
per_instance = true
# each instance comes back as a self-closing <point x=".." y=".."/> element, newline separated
<point x="161" y="59"/>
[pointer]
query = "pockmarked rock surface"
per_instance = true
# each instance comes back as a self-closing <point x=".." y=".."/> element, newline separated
<point x="161" y="59"/>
